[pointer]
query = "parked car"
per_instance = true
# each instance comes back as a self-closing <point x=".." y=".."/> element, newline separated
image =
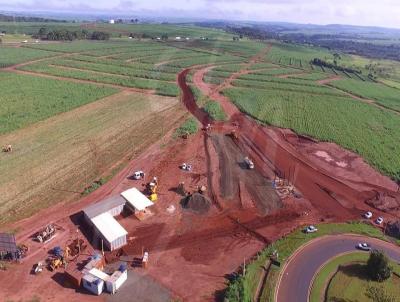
<point x="364" y="246"/>
<point x="379" y="220"/>
<point x="368" y="215"/>
<point x="310" y="229"/>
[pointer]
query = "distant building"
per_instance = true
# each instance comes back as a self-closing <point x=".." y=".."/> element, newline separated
<point x="112" y="21"/>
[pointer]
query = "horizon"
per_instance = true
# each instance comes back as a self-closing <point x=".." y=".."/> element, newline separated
<point x="326" y="12"/>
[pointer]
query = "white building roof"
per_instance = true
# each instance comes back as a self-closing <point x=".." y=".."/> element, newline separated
<point x="136" y="199"/>
<point x="109" y="227"/>
<point x="99" y="274"/>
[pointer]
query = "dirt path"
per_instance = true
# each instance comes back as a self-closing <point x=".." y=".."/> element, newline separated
<point x="328" y="193"/>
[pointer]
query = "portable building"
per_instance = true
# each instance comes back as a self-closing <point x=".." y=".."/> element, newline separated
<point x="116" y="280"/>
<point x="93" y="284"/>
<point x="112" y="233"/>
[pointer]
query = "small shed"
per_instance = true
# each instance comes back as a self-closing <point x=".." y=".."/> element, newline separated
<point x="8" y="247"/>
<point x="136" y="200"/>
<point x="113" y="234"/>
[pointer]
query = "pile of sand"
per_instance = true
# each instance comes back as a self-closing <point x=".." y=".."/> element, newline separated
<point x="197" y="203"/>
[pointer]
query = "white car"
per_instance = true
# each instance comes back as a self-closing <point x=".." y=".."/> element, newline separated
<point x="310" y="229"/>
<point x="379" y="220"/>
<point x="368" y="215"/>
<point x="364" y="246"/>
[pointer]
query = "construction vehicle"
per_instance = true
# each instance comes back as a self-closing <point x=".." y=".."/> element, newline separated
<point x="138" y="175"/>
<point x="152" y="188"/>
<point x="7" y="148"/>
<point x="249" y="163"/>
<point x="202" y="189"/>
<point x="56" y="263"/>
<point x="181" y="189"/>
<point x="234" y="135"/>
<point x="45" y="234"/>
<point x="38" y="267"/>
<point x="186" y="167"/>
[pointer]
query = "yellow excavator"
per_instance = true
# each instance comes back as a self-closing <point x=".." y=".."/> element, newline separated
<point x="152" y="187"/>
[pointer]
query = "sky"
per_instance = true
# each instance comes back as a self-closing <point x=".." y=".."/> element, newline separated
<point x="385" y="13"/>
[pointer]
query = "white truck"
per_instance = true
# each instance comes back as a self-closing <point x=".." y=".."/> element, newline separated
<point x="249" y="163"/>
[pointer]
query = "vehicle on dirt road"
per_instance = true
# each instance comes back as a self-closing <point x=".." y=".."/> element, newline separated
<point x="249" y="163"/>
<point x="138" y="175"/>
<point x="379" y="220"/>
<point x="310" y="229"/>
<point x="364" y="247"/>
<point x="368" y="215"/>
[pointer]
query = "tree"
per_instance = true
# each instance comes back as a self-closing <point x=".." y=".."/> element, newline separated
<point x="378" y="266"/>
<point x="378" y="294"/>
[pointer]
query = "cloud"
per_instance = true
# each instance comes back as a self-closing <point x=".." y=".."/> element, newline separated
<point x="361" y="12"/>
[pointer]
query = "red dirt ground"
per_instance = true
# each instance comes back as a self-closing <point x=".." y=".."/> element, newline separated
<point x="191" y="254"/>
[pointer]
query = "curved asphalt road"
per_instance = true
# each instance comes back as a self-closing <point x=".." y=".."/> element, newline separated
<point x="300" y="270"/>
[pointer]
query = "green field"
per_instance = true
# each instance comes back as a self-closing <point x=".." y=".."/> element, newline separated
<point x="384" y="95"/>
<point x="369" y="131"/>
<point x="12" y="55"/>
<point x="26" y="99"/>
<point x="350" y="283"/>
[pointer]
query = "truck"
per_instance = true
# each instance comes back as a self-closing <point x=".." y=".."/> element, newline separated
<point x="249" y="163"/>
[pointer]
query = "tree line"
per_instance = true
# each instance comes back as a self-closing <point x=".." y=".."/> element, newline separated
<point x="70" y="35"/>
<point x="6" y="18"/>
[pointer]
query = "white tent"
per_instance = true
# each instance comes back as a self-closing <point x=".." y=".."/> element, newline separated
<point x="136" y="199"/>
<point x="111" y="230"/>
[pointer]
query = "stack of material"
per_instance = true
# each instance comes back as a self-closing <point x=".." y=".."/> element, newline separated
<point x="197" y="203"/>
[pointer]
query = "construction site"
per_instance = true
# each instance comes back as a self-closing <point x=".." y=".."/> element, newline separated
<point x="180" y="217"/>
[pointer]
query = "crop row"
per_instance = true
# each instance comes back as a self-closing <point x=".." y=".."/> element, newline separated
<point x="160" y="87"/>
<point x="26" y="99"/>
<point x="384" y="95"/>
<point x="357" y="126"/>
<point x="119" y="70"/>
<point x="11" y="55"/>
<point x="282" y="86"/>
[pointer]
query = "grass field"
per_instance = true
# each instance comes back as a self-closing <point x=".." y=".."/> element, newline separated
<point x="56" y="159"/>
<point x="344" y="285"/>
<point x="350" y="283"/>
<point x="12" y="55"/>
<point x="243" y="289"/>
<point x="25" y="99"/>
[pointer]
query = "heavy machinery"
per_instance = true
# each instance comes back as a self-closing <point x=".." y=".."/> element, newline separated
<point x="56" y="263"/>
<point x="152" y="188"/>
<point x="45" y="234"/>
<point x="7" y="148"/>
<point x="234" y="135"/>
<point x="38" y="268"/>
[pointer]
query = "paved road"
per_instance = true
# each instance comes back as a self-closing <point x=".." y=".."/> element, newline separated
<point x="300" y="270"/>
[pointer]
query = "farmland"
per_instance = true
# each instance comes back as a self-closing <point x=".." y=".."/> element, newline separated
<point x="360" y="127"/>
<point x="11" y="56"/>
<point x="384" y="95"/>
<point x="64" y="154"/>
<point x="25" y="99"/>
<point x="126" y="64"/>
